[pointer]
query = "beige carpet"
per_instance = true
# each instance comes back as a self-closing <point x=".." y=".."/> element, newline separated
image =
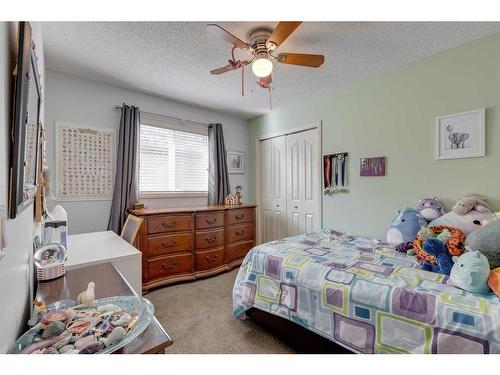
<point x="197" y="315"/>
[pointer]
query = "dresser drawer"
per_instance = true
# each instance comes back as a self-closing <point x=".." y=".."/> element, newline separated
<point x="236" y="216"/>
<point x="175" y="223"/>
<point x="239" y="250"/>
<point x="209" y="220"/>
<point x="170" y="265"/>
<point x="169" y="243"/>
<point x="241" y="232"/>
<point x="209" y="238"/>
<point x="205" y="260"/>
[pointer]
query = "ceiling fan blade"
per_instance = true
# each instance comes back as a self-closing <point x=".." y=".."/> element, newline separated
<point x="281" y="32"/>
<point x="221" y="70"/>
<point x="302" y="59"/>
<point x="227" y="36"/>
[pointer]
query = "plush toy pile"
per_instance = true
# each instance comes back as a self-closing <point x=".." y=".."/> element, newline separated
<point x="463" y="243"/>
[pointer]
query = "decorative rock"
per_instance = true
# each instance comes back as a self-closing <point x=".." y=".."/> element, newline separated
<point x="40" y="345"/>
<point x="80" y="344"/>
<point x="50" y="350"/>
<point x="121" y="320"/>
<point x="54" y="316"/>
<point x="132" y="322"/>
<point x="91" y="348"/>
<point x="71" y="315"/>
<point x="104" y="328"/>
<point x="82" y="325"/>
<point x="55" y="328"/>
<point x="67" y="349"/>
<point x="108" y="308"/>
<point x="63" y="342"/>
<point x="115" y="336"/>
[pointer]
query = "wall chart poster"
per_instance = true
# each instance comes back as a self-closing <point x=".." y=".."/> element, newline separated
<point x="84" y="162"/>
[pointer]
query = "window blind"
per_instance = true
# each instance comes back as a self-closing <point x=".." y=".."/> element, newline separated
<point x="172" y="160"/>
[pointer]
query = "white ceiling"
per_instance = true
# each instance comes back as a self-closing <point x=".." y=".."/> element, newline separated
<point x="173" y="59"/>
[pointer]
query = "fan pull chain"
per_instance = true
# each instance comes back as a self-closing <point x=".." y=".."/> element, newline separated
<point x="243" y="80"/>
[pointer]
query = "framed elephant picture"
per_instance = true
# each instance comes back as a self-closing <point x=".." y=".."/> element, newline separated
<point x="461" y="135"/>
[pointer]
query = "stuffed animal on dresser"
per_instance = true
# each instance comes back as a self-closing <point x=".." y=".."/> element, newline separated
<point x="405" y="226"/>
<point x="430" y="208"/>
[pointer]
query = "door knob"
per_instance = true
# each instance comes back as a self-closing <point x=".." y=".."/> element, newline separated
<point x="295" y="207"/>
<point x="277" y="205"/>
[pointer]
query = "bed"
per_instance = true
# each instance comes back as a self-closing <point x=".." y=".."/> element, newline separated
<point x="363" y="295"/>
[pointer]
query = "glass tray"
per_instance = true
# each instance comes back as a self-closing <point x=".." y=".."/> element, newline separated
<point x="131" y="304"/>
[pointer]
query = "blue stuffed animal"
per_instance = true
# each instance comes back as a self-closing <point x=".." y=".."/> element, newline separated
<point x="470" y="272"/>
<point x="405" y="226"/>
<point x="437" y="249"/>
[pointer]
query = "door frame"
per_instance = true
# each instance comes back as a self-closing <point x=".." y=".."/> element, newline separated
<point x="319" y="135"/>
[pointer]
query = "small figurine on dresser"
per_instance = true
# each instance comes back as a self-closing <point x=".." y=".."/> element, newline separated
<point x="229" y="200"/>
<point x="238" y="195"/>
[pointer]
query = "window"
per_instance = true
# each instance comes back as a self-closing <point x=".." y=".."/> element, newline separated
<point x="173" y="157"/>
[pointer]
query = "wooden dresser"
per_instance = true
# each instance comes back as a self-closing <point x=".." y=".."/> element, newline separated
<point x="187" y="243"/>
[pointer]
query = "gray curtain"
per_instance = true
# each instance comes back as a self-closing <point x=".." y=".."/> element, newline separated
<point x="125" y="191"/>
<point x="218" y="179"/>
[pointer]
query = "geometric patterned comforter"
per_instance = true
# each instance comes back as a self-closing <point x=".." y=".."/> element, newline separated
<point x="365" y="296"/>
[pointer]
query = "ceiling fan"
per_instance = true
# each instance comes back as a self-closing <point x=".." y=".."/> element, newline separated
<point x="262" y="44"/>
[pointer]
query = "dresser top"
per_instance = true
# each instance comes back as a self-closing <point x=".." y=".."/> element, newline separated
<point x="171" y="210"/>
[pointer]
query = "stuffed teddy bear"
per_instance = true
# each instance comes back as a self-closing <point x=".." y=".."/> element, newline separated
<point x="470" y="272"/>
<point x="466" y="223"/>
<point x="405" y="226"/>
<point x="437" y="249"/>
<point x="487" y="241"/>
<point x="471" y="202"/>
<point x="430" y="208"/>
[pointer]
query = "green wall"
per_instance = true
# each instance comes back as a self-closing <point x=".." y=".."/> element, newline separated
<point x="393" y="114"/>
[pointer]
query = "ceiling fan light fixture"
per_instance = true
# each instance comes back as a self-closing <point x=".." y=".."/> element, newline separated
<point x="262" y="67"/>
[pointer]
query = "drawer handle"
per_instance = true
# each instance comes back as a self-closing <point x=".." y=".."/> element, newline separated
<point x="169" y="266"/>
<point x="239" y="217"/>
<point x="169" y="225"/>
<point x="240" y="233"/>
<point x="211" y="258"/>
<point x="211" y="222"/>
<point x="171" y="244"/>
<point x="211" y="239"/>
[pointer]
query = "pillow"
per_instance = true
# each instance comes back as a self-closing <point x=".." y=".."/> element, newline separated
<point x="486" y="240"/>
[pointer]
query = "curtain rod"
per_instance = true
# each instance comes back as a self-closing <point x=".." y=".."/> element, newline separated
<point x="182" y="121"/>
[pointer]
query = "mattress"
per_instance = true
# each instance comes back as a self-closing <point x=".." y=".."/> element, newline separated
<point x="365" y="296"/>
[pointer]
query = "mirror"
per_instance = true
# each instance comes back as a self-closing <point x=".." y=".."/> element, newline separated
<point x="25" y="127"/>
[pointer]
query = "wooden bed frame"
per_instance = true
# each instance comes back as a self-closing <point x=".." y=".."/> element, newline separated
<point x="297" y="336"/>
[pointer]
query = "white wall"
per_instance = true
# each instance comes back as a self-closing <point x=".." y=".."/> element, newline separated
<point x="16" y="266"/>
<point x="73" y="99"/>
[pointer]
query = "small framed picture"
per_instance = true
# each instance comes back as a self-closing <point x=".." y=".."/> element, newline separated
<point x="460" y="135"/>
<point x="236" y="162"/>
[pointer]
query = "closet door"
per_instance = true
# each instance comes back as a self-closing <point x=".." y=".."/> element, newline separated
<point x="279" y="187"/>
<point x="266" y="190"/>
<point x="273" y="188"/>
<point x="303" y="179"/>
